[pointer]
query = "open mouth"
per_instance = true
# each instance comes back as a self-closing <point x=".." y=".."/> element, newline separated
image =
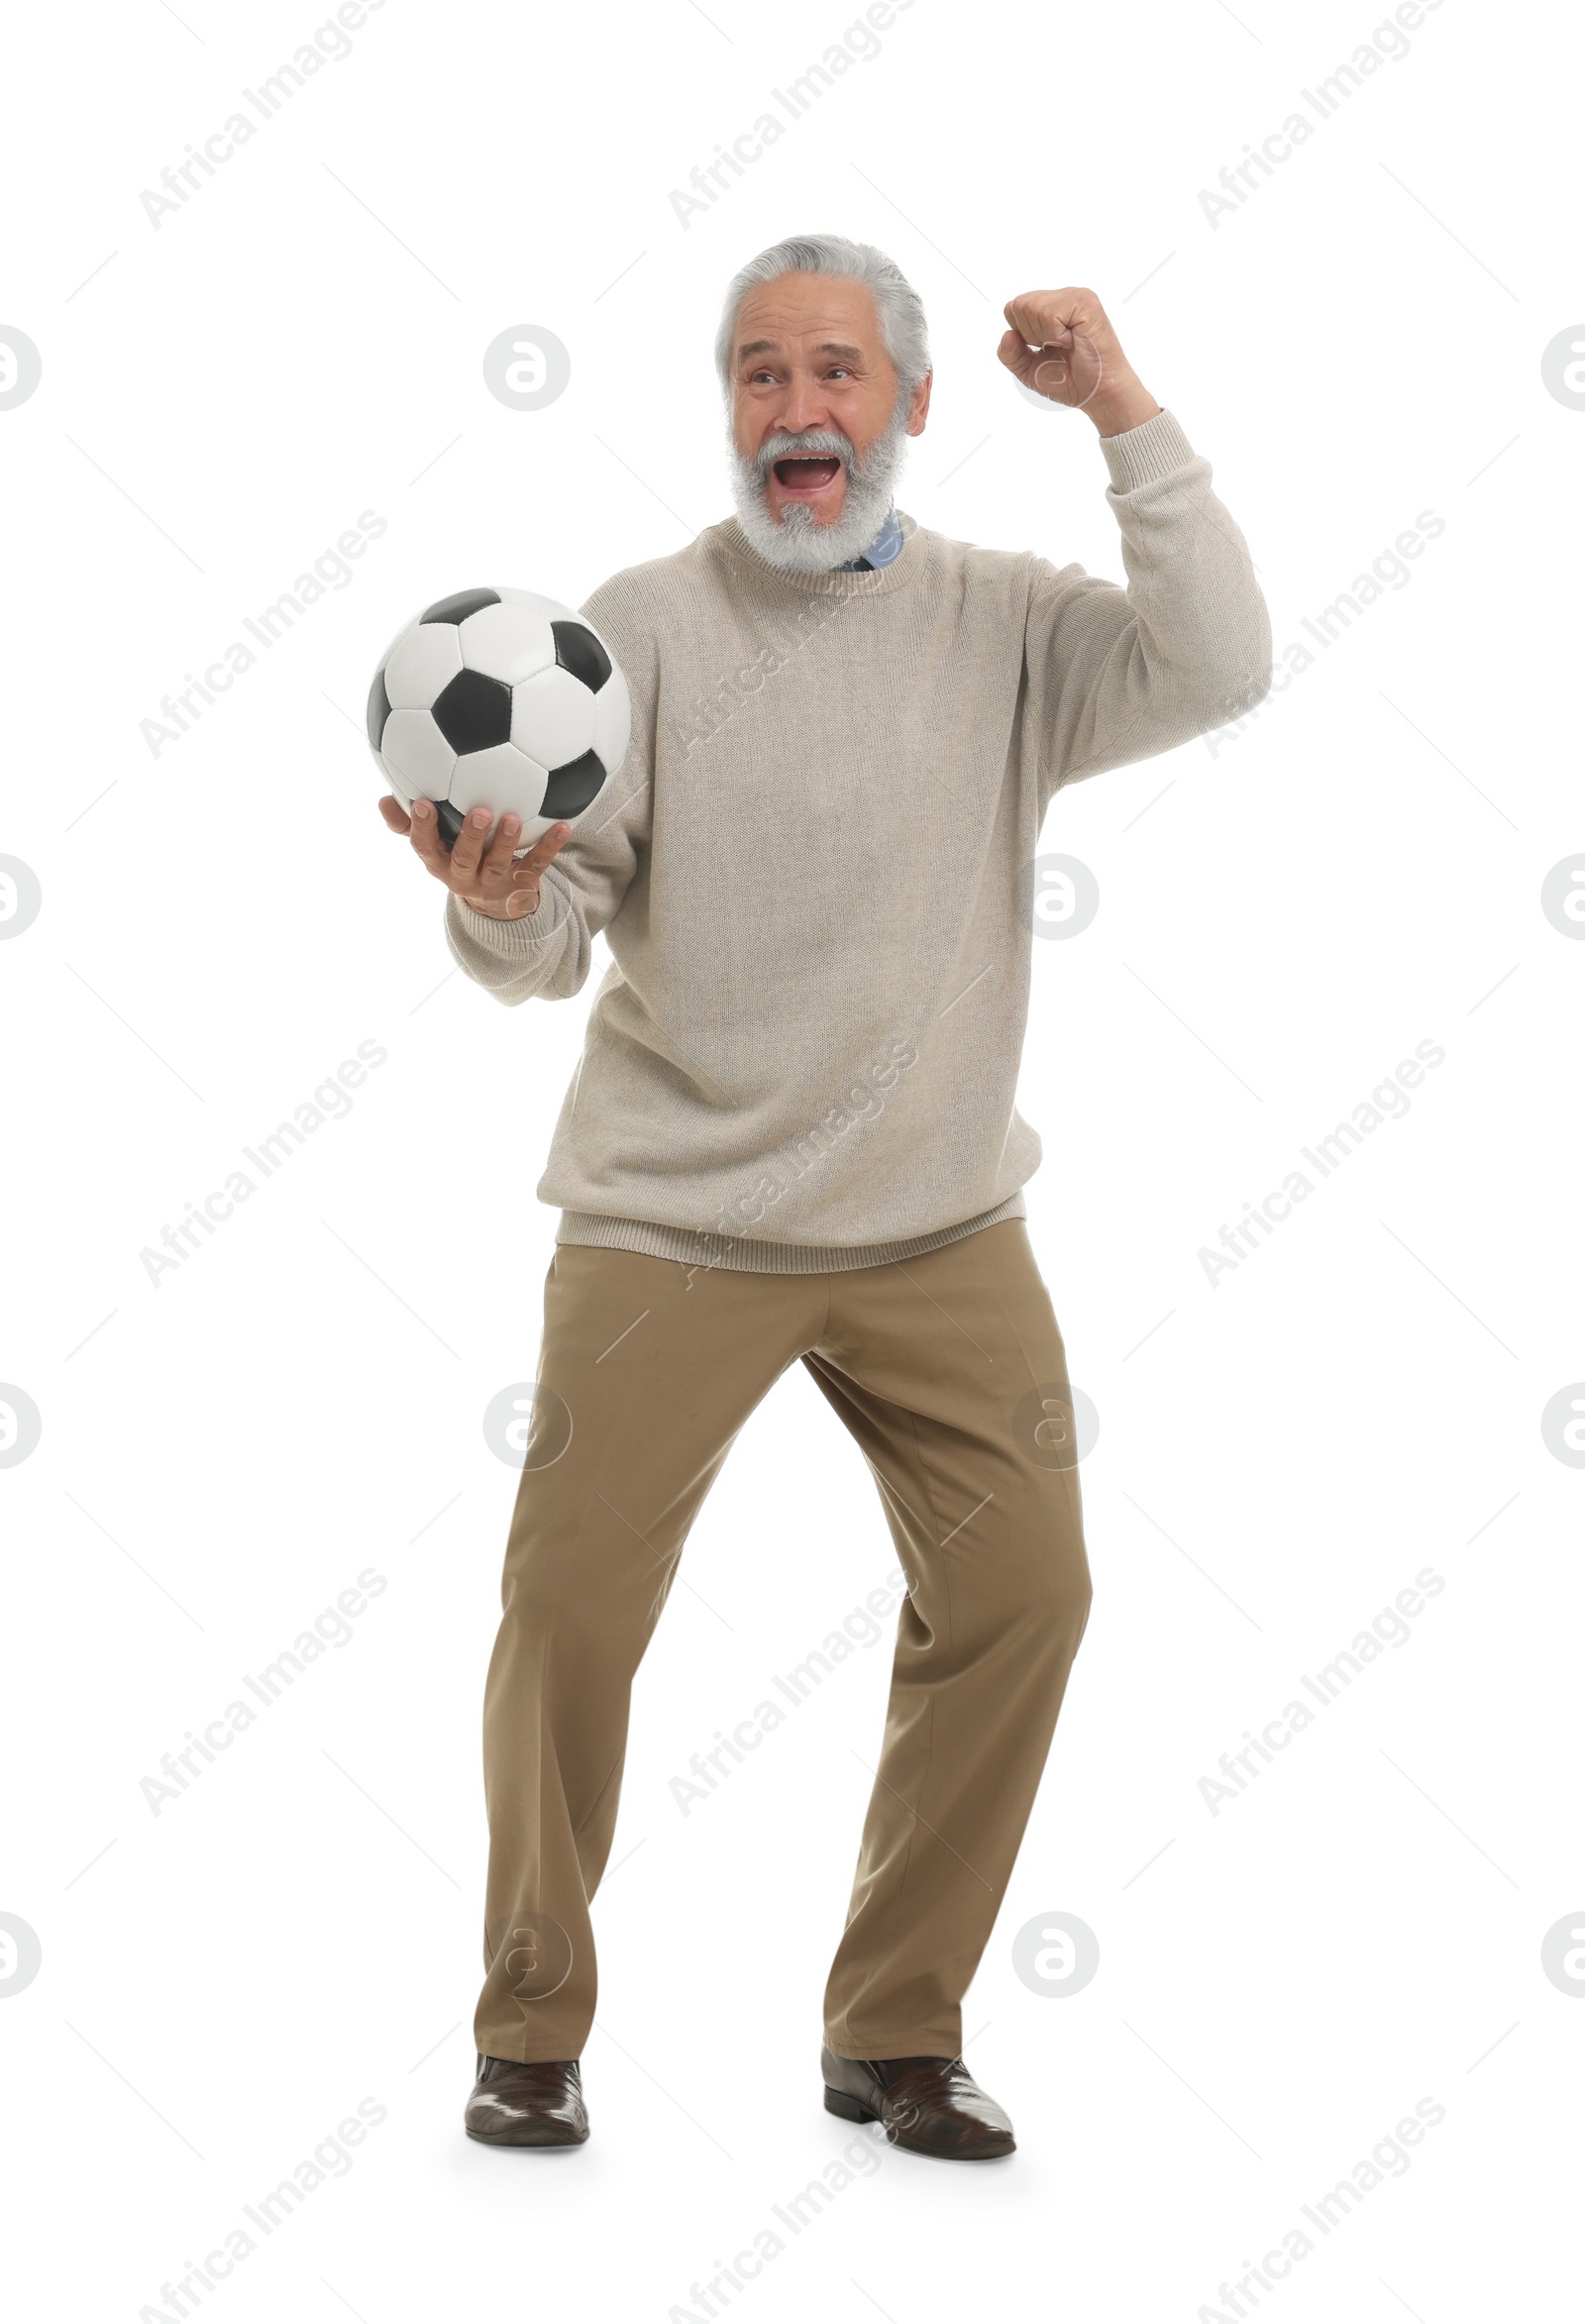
<point x="808" y="474"/>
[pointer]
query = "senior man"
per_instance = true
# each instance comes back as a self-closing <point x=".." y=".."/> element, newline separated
<point x="791" y="1134"/>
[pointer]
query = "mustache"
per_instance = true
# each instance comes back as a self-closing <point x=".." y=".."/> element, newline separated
<point x="815" y="444"/>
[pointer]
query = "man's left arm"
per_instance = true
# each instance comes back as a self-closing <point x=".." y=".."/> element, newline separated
<point x="1118" y="675"/>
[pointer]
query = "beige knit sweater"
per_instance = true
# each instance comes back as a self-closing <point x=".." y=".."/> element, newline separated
<point x="814" y="871"/>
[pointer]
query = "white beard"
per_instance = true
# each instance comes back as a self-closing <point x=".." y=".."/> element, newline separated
<point x="798" y="543"/>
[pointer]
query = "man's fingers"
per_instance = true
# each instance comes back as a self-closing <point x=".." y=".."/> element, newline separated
<point x="1027" y="363"/>
<point x="481" y="866"/>
<point x="549" y="844"/>
<point x="1018" y="357"/>
<point x="1040" y="313"/>
<point x="522" y="897"/>
<point x="495" y="870"/>
<point x="394" y="815"/>
<point x="1037" y="321"/>
<point x="427" y="842"/>
<point x="468" y="847"/>
<point x="1067" y="367"/>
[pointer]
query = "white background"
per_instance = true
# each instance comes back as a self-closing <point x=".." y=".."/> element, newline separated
<point x="1282" y="918"/>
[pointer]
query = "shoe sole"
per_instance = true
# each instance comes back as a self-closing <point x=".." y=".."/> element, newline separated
<point x="855" y="2110"/>
<point x="529" y="2138"/>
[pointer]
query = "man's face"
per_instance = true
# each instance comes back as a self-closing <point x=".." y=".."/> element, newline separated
<point x="807" y="358"/>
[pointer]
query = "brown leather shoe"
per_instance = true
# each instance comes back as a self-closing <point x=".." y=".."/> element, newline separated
<point x="927" y="2105"/>
<point x="516" y="2105"/>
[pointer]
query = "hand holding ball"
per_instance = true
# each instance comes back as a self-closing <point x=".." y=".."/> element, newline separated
<point x="501" y="700"/>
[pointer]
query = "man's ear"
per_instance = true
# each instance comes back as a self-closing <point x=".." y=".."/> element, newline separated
<point x="919" y="406"/>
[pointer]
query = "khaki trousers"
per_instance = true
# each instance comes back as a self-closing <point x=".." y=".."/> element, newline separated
<point x="949" y="1371"/>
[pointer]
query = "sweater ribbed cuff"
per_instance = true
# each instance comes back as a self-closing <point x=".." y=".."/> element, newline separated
<point x="1157" y="448"/>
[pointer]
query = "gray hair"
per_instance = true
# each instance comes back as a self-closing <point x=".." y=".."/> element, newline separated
<point x="897" y="303"/>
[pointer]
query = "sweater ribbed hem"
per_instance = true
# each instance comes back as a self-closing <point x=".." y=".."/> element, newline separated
<point x="743" y="1254"/>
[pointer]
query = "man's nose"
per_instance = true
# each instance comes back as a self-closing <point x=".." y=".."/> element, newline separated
<point x="804" y="407"/>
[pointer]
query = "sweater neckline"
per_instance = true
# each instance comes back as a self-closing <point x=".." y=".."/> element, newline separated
<point x="876" y="583"/>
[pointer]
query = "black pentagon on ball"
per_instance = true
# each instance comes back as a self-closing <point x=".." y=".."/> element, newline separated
<point x="458" y="608"/>
<point x="473" y="712"/>
<point x="378" y="707"/>
<point x="570" y="787"/>
<point x="450" y="820"/>
<point x="579" y="650"/>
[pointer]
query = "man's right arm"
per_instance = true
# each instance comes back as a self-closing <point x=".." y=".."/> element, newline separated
<point x="548" y="951"/>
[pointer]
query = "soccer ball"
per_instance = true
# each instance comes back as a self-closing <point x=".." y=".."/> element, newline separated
<point x="498" y="698"/>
